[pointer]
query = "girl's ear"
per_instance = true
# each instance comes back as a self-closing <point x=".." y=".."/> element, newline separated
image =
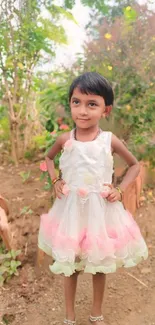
<point x="107" y="111"/>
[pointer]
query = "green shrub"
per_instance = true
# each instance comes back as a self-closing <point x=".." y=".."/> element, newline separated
<point x="8" y="264"/>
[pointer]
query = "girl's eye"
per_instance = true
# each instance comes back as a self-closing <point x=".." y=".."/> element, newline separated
<point x="76" y="102"/>
<point x="92" y="104"/>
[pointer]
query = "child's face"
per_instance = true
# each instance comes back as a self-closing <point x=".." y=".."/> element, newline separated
<point x="87" y="110"/>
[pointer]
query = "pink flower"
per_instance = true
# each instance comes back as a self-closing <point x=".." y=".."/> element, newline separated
<point x="105" y="192"/>
<point x="64" y="127"/>
<point x="65" y="190"/>
<point x="43" y="166"/>
<point x="53" y="132"/>
<point x="82" y="192"/>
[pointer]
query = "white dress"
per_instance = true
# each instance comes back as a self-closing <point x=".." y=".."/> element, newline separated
<point x="82" y="230"/>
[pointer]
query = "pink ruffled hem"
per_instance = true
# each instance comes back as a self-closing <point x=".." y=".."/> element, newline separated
<point x="108" y="242"/>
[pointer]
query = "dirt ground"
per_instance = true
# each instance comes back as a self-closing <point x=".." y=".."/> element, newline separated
<point x="35" y="296"/>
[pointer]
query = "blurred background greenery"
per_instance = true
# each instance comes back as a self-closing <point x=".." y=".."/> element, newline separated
<point x="34" y="106"/>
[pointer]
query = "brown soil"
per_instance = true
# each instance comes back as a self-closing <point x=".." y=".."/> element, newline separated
<point x="35" y="296"/>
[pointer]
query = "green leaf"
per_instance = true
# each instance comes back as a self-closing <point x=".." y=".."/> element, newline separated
<point x="5" y="256"/>
<point x="42" y="176"/>
<point x="25" y="175"/>
<point x="130" y="14"/>
<point x="13" y="265"/>
<point x="52" y="31"/>
<point x="3" y="269"/>
<point x="6" y="263"/>
<point x="99" y="5"/>
<point x="9" y="62"/>
<point x="20" y="65"/>
<point x="47" y="187"/>
<point x="18" y="252"/>
<point x="15" y="253"/>
<point x="30" y="211"/>
<point x="18" y="263"/>
<point x="69" y="3"/>
<point x="24" y="210"/>
<point x="56" y="10"/>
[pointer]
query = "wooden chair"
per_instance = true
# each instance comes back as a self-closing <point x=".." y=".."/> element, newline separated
<point x="131" y="197"/>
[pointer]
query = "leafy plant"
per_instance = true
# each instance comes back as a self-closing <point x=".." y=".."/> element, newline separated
<point x="29" y="154"/>
<point x="27" y="39"/>
<point x="8" y="318"/>
<point x="8" y="264"/>
<point x="25" y="175"/>
<point x="26" y="210"/>
<point x="111" y="54"/>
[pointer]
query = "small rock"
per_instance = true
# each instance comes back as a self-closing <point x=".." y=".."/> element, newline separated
<point x="112" y="286"/>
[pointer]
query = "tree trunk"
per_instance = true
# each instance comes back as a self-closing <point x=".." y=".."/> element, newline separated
<point x="14" y="150"/>
<point x="27" y="135"/>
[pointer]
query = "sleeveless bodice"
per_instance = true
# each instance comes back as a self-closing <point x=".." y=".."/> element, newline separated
<point x="87" y="164"/>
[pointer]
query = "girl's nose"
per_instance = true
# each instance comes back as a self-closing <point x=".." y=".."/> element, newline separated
<point x="83" y="110"/>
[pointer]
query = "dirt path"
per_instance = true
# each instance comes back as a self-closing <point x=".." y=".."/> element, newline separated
<point x="35" y="297"/>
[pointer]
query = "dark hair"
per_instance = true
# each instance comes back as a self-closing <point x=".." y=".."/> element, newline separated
<point x="93" y="83"/>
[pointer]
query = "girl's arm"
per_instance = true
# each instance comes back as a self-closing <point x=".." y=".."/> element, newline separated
<point x="133" y="171"/>
<point x="57" y="147"/>
<point x="134" y="168"/>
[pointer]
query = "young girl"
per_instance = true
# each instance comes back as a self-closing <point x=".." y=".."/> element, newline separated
<point x="88" y="229"/>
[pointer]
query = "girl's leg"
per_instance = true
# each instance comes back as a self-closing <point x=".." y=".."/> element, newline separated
<point x="99" y="281"/>
<point x="70" y="284"/>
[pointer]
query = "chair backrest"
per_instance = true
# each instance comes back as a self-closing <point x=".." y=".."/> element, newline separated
<point x="132" y="194"/>
<point x="131" y="197"/>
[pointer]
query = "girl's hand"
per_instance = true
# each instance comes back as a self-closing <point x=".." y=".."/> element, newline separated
<point x="58" y="186"/>
<point x="114" y="195"/>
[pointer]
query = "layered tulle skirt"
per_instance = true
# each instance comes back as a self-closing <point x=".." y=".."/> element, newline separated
<point x="91" y="235"/>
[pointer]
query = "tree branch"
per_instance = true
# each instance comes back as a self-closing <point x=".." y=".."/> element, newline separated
<point x="15" y="79"/>
<point x="29" y="81"/>
<point x="11" y="112"/>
